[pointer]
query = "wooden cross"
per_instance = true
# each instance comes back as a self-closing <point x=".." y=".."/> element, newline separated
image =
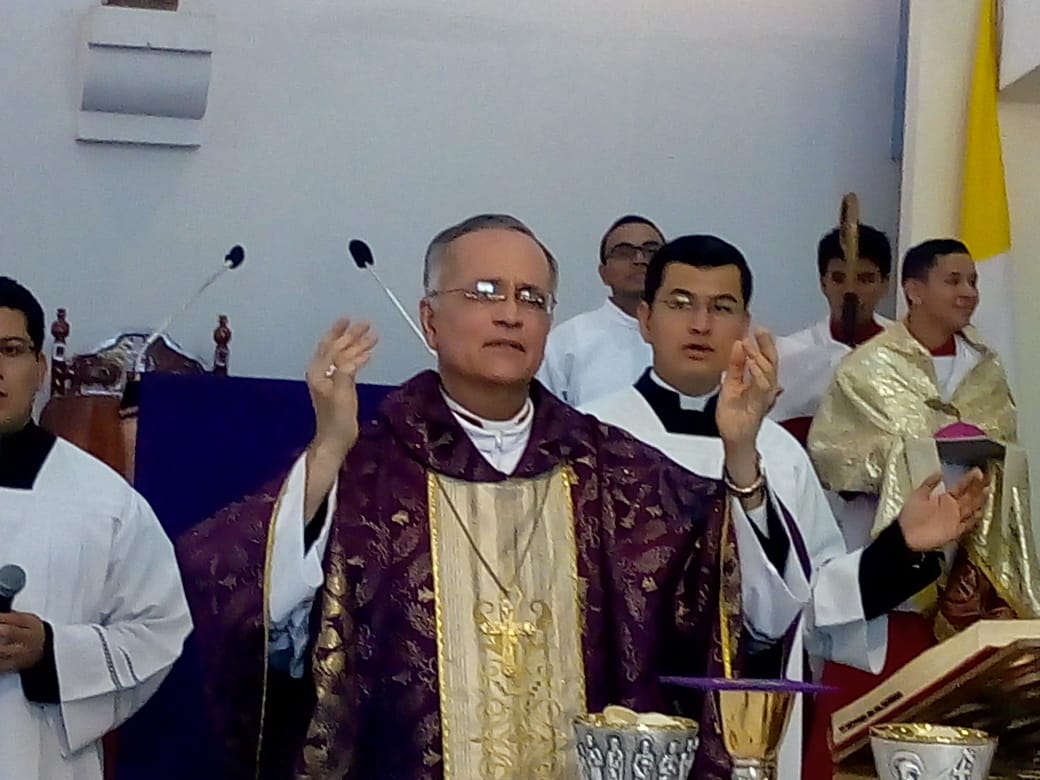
<point x="506" y="633"/>
<point x="848" y="237"/>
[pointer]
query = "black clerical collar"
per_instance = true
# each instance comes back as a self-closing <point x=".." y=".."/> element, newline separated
<point x="667" y="405"/>
<point x="22" y="455"/>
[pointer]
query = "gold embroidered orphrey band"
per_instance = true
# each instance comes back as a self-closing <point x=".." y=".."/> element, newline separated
<point x="511" y="673"/>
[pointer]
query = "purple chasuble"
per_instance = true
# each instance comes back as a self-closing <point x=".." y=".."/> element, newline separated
<point x="651" y="560"/>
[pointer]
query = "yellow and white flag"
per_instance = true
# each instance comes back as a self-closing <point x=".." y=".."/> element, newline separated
<point x="985" y="224"/>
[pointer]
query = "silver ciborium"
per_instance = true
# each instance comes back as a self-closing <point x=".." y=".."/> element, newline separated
<point x="917" y="751"/>
<point x="623" y="744"/>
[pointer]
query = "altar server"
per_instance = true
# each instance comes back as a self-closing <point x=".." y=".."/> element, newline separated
<point x="695" y="316"/>
<point x="809" y="357"/>
<point x="102" y="615"/>
<point x="931" y="378"/>
<point x="600" y="351"/>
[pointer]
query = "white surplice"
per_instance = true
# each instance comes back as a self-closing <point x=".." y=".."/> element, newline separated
<point x="594" y="354"/>
<point x="102" y="572"/>
<point x="833" y="623"/>
<point x="808" y="360"/>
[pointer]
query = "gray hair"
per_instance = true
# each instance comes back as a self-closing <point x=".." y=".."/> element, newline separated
<point x="438" y="248"/>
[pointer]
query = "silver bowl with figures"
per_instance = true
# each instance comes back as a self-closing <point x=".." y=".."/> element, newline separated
<point x="922" y="751"/>
<point x="619" y="744"/>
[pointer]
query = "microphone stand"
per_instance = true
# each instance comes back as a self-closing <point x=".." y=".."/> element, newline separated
<point x="232" y="260"/>
<point x="364" y="260"/>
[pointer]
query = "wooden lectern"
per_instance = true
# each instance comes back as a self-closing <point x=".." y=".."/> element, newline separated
<point x="985" y="677"/>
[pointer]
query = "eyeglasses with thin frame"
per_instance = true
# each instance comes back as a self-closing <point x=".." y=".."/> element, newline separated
<point x="630" y="252"/>
<point x="488" y="291"/>
<point x="718" y="307"/>
<point x="14" y="348"/>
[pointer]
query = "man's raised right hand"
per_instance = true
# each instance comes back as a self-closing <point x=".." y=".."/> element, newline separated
<point x="332" y="382"/>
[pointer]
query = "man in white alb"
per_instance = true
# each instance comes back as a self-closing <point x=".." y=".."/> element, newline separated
<point x="695" y="316"/>
<point x="102" y="616"/>
<point x="600" y="351"/>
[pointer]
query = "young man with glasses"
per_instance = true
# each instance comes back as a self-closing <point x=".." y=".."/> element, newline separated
<point x="695" y="316"/>
<point x="441" y="591"/>
<point x="102" y="615"/>
<point x="600" y="351"/>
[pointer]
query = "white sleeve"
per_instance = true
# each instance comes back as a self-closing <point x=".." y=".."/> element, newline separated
<point x="836" y="627"/>
<point x="296" y="573"/>
<point x="109" y="669"/>
<point x="771" y="602"/>
<point x="831" y="600"/>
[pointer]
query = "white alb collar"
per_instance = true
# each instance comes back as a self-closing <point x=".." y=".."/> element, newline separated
<point x="501" y="442"/>
<point x="517" y="424"/>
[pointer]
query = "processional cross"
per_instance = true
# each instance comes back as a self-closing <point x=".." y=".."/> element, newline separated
<point x="848" y="237"/>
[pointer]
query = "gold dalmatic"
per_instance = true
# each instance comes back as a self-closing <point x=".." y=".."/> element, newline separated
<point x="508" y="616"/>
<point x="874" y="434"/>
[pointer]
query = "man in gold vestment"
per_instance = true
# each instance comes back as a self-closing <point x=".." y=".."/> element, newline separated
<point x="931" y="379"/>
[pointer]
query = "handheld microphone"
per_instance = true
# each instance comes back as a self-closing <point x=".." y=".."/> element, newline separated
<point x="364" y="260"/>
<point x="12" y="580"/>
<point x="232" y="260"/>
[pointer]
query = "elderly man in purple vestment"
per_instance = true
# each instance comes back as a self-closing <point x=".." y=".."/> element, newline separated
<point x="439" y="593"/>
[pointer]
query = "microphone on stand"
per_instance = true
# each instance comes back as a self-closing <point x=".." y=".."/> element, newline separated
<point x="232" y="260"/>
<point x="12" y="580"/>
<point x="364" y="260"/>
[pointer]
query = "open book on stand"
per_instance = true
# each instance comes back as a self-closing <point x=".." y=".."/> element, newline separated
<point x="986" y="677"/>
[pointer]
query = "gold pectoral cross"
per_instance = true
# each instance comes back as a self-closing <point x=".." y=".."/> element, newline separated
<point x="506" y="633"/>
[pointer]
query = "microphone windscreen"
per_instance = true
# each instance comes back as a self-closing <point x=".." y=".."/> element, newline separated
<point x="235" y="257"/>
<point x="361" y="253"/>
<point x="12" y="580"/>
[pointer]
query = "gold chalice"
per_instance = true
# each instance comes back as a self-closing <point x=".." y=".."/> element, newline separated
<point x="753" y="715"/>
<point x="753" y="726"/>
